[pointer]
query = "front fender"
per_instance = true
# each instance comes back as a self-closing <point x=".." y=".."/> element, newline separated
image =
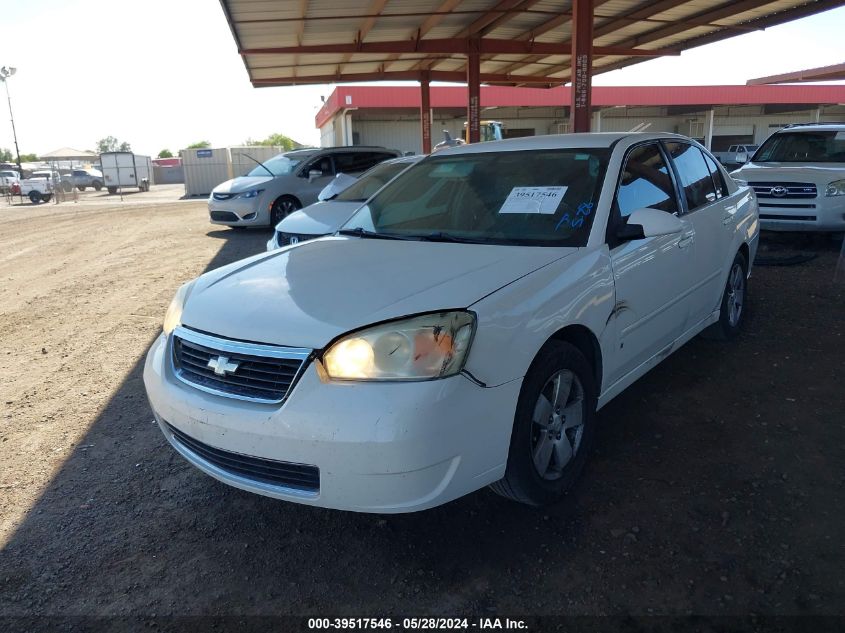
<point x="517" y="320"/>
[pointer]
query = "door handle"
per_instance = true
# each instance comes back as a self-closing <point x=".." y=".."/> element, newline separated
<point x="686" y="241"/>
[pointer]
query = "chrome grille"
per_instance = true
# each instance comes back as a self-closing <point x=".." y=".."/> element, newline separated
<point x="267" y="471"/>
<point x="248" y="371"/>
<point x="784" y="190"/>
<point x="223" y="196"/>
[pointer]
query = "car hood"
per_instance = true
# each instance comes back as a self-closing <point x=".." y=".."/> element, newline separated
<point x="308" y="294"/>
<point x="806" y="172"/>
<point x="320" y="218"/>
<point x="240" y="184"/>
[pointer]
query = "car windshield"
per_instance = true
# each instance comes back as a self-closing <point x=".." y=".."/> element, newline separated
<point x="535" y="198"/>
<point x="278" y="165"/>
<point x="802" y="147"/>
<point x="371" y="182"/>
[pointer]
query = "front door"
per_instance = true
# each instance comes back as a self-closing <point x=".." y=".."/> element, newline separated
<point x="652" y="275"/>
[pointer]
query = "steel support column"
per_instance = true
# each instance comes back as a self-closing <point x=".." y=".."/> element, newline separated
<point x="425" y="112"/>
<point x="473" y="90"/>
<point x="582" y="65"/>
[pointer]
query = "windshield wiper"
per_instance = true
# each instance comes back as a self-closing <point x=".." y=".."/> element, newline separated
<point x="258" y="162"/>
<point x="363" y="233"/>
<point x="448" y="237"/>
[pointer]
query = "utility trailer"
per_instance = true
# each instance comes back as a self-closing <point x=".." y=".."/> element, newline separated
<point x="125" y="169"/>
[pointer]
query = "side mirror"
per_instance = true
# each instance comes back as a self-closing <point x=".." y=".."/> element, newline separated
<point x="314" y="173"/>
<point x="647" y="222"/>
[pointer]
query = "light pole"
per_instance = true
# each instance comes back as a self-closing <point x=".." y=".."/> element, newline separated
<point x="5" y="73"/>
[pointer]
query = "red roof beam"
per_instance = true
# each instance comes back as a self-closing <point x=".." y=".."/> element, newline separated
<point x="409" y="75"/>
<point x="453" y="46"/>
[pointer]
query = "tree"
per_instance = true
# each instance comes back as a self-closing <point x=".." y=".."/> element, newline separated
<point x="111" y="144"/>
<point x="165" y="153"/>
<point x="275" y="140"/>
<point x="199" y="145"/>
<point x="29" y="158"/>
<point x="6" y="155"/>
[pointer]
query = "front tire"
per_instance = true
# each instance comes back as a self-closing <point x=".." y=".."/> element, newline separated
<point x="282" y="208"/>
<point x="97" y="185"/>
<point x="34" y="197"/>
<point x="112" y="190"/>
<point x="553" y="427"/>
<point x="733" y="307"/>
<point x="81" y="187"/>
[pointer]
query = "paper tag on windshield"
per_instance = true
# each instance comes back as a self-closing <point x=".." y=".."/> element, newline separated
<point x="543" y="200"/>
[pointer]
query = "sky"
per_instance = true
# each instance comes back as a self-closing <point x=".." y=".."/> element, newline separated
<point x="166" y="73"/>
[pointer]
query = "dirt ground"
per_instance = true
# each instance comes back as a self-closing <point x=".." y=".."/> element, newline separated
<point x="716" y="487"/>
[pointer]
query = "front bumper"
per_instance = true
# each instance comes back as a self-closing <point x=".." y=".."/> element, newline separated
<point x="238" y="211"/>
<point x="379" y="447"/>
<point x="815" y="214"/>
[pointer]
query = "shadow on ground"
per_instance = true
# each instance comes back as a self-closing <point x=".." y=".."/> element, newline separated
<point x="713" y="490"/>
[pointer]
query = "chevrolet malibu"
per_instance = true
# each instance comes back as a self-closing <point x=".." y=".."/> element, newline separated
<point x="461" y="329"/>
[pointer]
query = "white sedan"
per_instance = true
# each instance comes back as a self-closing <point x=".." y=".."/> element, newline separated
<point x="461" y="329"/>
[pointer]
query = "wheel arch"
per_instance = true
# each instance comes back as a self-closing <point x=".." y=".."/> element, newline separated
<point x="746" y="253"/>
<point x="587" y="343"/>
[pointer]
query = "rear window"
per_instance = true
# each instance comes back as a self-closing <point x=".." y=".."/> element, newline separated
<point x="371" y="182"/>
<point x="815" y="146"/>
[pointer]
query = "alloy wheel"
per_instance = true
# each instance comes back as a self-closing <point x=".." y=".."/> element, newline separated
<point x="557" y="424"/>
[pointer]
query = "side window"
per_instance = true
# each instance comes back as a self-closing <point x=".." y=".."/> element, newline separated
<point x="356" y="162"/>
<point x="323" y="164"/>
<point x="716" y="174"/>
<point x="695" y="176"/>
<point x="645" y="182"/>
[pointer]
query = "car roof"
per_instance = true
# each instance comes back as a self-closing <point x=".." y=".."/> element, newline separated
<point x="591" y="140"/>
<point x="813" y="127"/>
<point x="404" y="159"/>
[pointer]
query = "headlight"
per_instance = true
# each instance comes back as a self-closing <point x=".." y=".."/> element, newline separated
<point x="249" y="194"/>
<point x="420" y="348"/>
<point x="173" y="316"/>
<point x="836" y="188"/>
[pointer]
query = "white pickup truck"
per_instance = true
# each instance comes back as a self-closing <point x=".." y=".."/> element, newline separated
<point x="8" y="178"/>
<point x="736" y="155"/>
<point x="38" y="188"/>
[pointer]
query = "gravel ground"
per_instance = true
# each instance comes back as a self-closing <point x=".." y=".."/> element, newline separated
<point x="715" y="489"/>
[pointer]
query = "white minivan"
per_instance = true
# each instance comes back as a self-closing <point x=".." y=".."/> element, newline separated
<point x="461" y="329"/>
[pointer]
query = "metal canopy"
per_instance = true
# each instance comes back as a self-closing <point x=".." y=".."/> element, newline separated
<point x="824" y="73"/>
<point x="289" y="42"/>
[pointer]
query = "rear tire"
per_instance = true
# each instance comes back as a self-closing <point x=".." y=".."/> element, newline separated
<point x="553" y="427"/>
<point x="282" y="208"/>
<point x="733" y="307"/>
<point x="34" y="197"/>
<point x="112" y="190"/>
<point x="81" y="187"/>
<point x="98" y="185"/>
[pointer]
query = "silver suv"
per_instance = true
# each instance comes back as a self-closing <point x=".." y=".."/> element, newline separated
<point x="798" y="175"/>
<point x="286" y="183"/>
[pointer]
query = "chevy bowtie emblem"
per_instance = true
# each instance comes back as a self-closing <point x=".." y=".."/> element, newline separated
<point x="222" y="366"/>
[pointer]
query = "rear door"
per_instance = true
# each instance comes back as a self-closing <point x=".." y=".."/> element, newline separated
<point x="652" y="275"/>
<point x="705" y="207"/>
